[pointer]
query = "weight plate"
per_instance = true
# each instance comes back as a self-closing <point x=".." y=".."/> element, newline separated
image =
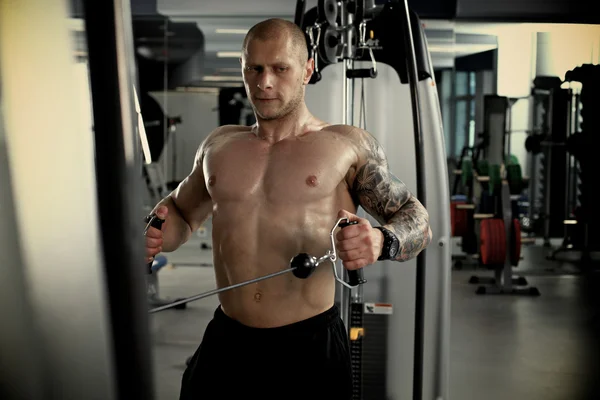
<point x="459" y="219"/>
<point x="328" y="11"/>
<point x="485" y="245"/>
<point x="329" y="44"/>
<point x="500" y="255"/>
<point x="483" y="168"/>
<point x="533" y="143"/>
<point x="493" y="241"/>
<point x="453" y="211"/>
<point x="511" y="160"/>
<point x="495" y="178"/>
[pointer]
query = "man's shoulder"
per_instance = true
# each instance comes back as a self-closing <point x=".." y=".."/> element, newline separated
<point x="225" y="132"/>
<point x="365" y="144"/>
<point x="221" y="133"/>
<point x="350" y="132"/>
<point x="229" y="130"/>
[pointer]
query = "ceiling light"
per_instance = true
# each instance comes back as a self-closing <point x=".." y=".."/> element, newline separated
<point x="220" y="78"/>
<point x="191" y="89"/>
<point x="461" y="48"/>
<point x="229" y="70"/>
<point x="76" y="24"/>
<point x="229" y="54"/>
<point x="232" y="31"/>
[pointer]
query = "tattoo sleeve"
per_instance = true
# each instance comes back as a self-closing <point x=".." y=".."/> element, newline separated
<point x="388" y="200"/>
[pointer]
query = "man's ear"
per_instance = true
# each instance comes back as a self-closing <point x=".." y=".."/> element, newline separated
<point x="310" y="69"/>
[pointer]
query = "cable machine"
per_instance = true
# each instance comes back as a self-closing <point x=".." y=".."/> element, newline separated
<point x="344" y="32"/>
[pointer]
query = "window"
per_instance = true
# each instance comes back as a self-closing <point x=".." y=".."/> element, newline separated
<point x="464" y="112"/>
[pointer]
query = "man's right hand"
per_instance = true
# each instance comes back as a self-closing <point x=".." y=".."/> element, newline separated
<point x="154" y="237"/>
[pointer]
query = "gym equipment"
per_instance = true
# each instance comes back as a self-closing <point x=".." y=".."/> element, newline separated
<point x="467" y="171"/>
<point x="493" y="241"/>
<point x="152" y="144"/>
<point x="515" y="242"/>
<point x="514" y="176"/>
<point x="494" y="178"/>
<point x="302" y="265"/>
<point x="152" y="287"/>
<point x="391" y="33"/>
<point x="500" y="250"/>
<point x="548" y="158"/>
<point x="234" y="107"/>
<point x="491" y="237"/>
<point x="581" y="225"/>
<point x="561" y="150"/>
<point x="459" y="214"/>
<point x="155" y="222"/>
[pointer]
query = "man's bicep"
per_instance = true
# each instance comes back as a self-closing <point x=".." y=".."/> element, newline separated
<point x="379" y="192"/>
<point x="375" y="188"/>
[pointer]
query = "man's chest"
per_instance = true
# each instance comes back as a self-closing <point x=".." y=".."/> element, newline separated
<point x="282" y="173"/>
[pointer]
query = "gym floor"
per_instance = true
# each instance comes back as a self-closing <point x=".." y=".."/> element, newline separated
<point x="502" y="347"/>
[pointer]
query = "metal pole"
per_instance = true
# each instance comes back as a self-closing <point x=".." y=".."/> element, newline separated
<point x="548" y="171"/>
<point x="112" y="76"/>
<point x="347" y="119"/>
<point x="421" y="195"/>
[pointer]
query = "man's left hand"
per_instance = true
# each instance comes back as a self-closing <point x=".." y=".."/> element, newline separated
<point x="358" y="245"/>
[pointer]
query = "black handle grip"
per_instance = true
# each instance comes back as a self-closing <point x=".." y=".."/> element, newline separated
<point x="155" y="222"/>
<point x="361" y="73"/>
<point x="355" y="277"/>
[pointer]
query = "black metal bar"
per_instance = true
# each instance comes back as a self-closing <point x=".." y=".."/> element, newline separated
<point x="411" y="65"/>
<point x="108" y="30"/>
<point x="300" y="9"/>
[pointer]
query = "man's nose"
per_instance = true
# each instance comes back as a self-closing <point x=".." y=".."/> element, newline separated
<point x="265" y="82"/>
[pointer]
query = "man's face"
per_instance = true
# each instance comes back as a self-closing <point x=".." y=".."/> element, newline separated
<point x="274" y="77"/>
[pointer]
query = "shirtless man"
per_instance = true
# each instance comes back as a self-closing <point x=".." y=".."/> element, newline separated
<point x="274" y="190"/>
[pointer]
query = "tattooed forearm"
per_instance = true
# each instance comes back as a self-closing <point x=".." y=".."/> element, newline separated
<point x="390" y="202"/>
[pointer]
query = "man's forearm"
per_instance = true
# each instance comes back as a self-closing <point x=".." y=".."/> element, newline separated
<point x="411" y="225"/>
<point x="176" y="231"/>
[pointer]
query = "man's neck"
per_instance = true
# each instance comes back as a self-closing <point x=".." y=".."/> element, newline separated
<point x="279" y="129"/>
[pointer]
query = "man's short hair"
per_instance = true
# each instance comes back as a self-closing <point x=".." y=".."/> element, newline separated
<point x="274" y="28"/>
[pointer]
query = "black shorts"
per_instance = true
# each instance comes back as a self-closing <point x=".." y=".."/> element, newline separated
<point x="309" y="359"/>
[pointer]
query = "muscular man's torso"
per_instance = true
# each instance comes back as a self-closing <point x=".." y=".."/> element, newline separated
<point x="271" y="202"/>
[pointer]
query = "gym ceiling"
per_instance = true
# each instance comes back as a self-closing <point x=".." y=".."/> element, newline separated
<point x="201" y="38"/>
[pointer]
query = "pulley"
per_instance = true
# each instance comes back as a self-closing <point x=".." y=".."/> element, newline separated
<point x="328" y="11"/>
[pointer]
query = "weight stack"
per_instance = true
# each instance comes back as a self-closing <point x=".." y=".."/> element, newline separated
<point x="370" y="369"/>
<point x="541" y="114"/>
<point x="356" y="349"/>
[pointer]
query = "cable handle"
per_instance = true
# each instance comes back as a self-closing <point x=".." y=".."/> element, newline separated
<point x="355" y="277"/>
<point x="152" y="221"/>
